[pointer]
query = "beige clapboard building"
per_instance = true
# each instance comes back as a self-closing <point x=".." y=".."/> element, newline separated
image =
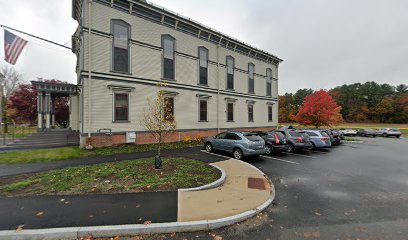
<point x="126" y="47"/>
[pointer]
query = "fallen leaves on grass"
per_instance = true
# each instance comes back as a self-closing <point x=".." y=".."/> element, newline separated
<point x="147" y="222"/>
<point x="89" y="237"/>
<point x="39" y="214"/>
<point x="173" y="234"/>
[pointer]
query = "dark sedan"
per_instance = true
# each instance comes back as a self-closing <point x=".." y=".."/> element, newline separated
<point x="367" y="132"/>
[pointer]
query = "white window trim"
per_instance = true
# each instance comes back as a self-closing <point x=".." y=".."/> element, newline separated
<point x="114" y="92"/>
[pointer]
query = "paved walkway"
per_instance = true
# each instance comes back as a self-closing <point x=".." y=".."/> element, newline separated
<point x="193" y="153"/>
<point x="245" y="189"/>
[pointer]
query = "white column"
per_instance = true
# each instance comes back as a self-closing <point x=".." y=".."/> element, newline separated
<point x="40" y="109"/>
<point x="47" y="110"/>
<point x="52" y="112"/>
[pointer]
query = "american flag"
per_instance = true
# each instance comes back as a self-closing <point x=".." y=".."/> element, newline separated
<point x="13" y="46"/>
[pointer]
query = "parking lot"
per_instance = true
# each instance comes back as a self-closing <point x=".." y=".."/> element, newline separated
<point x="352" y="191"/>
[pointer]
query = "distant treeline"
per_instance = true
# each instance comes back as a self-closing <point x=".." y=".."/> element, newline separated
<point x="368" y="102"/>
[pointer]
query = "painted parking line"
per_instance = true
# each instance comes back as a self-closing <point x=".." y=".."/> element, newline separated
<point x="278" y="159"/>
<point x="296" y="154"/>
<point x="317" y="151"/>
<point x="214" y="154"/>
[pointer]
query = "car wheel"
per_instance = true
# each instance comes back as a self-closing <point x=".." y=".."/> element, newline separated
<point x="290" y="148"/>
<point x="208" y="147"/>
<point x="237" y="154"/>
<point x="268" y="149"/>
<point x="313" y="146"/>
<point x="398" y="136"/>
<point x="384" y="135"/>
<point x="374" y="136"/>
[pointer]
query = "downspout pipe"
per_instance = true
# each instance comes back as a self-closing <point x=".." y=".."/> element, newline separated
<point x="218" y="88"/>
<point x="89" y="67"/>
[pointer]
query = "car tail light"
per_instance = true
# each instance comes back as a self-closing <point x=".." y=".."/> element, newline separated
<point x="324" y="139"/>
<point x="276" y="139"/>
<point x="299" y="139"/>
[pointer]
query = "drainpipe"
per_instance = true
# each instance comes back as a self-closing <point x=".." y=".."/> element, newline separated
<point x="89" y="66"/>
<point x="218" y="89"/>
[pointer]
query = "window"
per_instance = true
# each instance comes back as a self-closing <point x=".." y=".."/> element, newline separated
<point x="121" y="33"/>
<point x="230" y="72"/>
<point x="121" y="103"/>
<point x="251" y="77"/>
<point x="203" y="65"/>
<point x="203" y="110"/>
<point x="230" y="112"/>
<point x="250" y="112"/>
<point x="268" y="82"/>
<point x="221" y="135"/>
<point x="169" y="46"/>
<point x="169" y="108"/>
<point x="270" y="113"/>
<point x="232" y="136"/>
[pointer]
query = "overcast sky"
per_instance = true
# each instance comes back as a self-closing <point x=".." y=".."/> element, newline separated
<point x="323" y="43"/>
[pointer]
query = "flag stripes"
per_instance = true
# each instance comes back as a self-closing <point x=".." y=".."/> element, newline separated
<point x="13" y="46"/>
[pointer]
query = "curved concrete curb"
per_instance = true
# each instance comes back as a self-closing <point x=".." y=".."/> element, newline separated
<point x="214" y="184"/>
<point x="352" y="141"/>
<point x="136" y="229"/>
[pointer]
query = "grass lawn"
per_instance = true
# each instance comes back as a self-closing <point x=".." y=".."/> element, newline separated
<point x="56" y="154"/>
<point x="120" y="177"/>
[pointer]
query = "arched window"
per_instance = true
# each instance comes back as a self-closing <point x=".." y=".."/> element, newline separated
<point x="268" y="82"/>
<point x="169" y="48"/>
<point x="120" y="52"/>
<point x="230" y="72"/>
<point x="203" y="65"/>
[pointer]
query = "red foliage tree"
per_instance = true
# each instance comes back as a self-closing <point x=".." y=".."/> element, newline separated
<point x="23" y="105"/>
<point x="319" y="109"/>
<point x="23" y="102"/>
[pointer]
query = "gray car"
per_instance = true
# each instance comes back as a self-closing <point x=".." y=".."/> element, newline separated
<point x="319" y="139"/>
<point x="239" y="144"/>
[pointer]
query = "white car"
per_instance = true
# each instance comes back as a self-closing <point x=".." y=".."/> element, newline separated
<point x="349" y="132"/>
<point x="388" y="132"/>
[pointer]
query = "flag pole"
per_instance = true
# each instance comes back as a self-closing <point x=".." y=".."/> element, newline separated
<point x="31" y="35"/>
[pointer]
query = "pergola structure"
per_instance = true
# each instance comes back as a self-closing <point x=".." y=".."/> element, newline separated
<point x="47" y="92"/>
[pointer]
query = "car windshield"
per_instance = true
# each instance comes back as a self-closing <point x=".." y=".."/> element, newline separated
<point x="252" y="137"/>
<point x="324" y="134"/>
<point x="395" y="129"/>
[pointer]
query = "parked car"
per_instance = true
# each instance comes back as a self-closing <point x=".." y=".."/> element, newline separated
<point x="335" y="136"/>
<point x="274" y="141"/>
<point x="239" y="144"/>
<point x="297" y="140"/>
<point x="367" y="132"/>
<point x="319" y="138"/>
<point x="389" y="132"/>
<point x="348" y="132"/>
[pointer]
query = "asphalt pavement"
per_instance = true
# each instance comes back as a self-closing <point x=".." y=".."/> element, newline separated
<point x="352" y="191"/>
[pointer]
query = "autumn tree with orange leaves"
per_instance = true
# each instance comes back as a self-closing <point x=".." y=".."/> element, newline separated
<point x="319" y="109"/>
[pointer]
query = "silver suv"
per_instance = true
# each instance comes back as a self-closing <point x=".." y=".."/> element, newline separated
<point x="388" y="132"/>
<point x="239" y="144"/>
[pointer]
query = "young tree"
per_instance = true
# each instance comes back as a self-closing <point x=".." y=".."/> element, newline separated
<point x="319" y="109"/>
<point x="158" y="118"/>
<point x="9" y="79"/>
<point x="384" y="109"/>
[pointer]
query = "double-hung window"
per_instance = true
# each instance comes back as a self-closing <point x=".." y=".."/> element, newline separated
<point x="203" y="104"/>
<point x="230" y="111"/>
<point x="268" y="82"/>
<point x="169" y="46"/>
<point x="230" y="72"/>
<point x="121" y="105"/>
<point x="120" y="55"/>
<point x="169" y="108"/>
<point x="250" y="112"/>
<point x="251" y="78"/>
<point x="270" y="113"/>
<point x="203" y="65"/>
